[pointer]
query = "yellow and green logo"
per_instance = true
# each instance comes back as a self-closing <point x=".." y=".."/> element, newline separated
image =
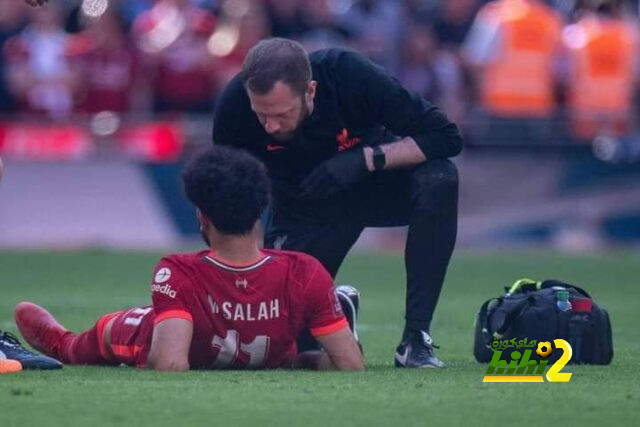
<point x="521" y="369"/>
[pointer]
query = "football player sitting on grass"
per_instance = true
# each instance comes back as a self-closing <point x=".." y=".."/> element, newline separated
<point x="233" y="305"/>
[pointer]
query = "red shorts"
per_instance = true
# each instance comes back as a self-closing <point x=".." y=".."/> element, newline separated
<point x="130" y="336"/>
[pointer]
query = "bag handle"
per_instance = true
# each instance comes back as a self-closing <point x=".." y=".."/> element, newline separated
<point x="525" y="284"/>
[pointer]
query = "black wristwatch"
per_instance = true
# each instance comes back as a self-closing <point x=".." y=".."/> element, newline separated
<point x="379" y="158"/>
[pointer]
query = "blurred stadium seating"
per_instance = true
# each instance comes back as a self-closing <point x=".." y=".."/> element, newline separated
<point x="101" y="101"/>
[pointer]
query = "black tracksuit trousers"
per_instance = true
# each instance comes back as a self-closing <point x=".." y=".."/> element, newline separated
<point x="424" y="197"/>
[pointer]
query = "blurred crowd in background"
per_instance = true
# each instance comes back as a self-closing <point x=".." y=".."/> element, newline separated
<point x="101" y="101"/>
<point x="514" y="66"/>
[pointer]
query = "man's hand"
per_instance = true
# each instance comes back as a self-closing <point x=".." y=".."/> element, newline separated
<point x="336" y="174"/>
<point x="35" y="3"/>
<point x="341" y="353"/>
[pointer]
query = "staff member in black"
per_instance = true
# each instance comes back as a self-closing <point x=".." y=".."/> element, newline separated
<point x="348" y="147"/>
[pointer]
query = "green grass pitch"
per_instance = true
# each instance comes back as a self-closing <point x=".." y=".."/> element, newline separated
<point x="77" y="287"/>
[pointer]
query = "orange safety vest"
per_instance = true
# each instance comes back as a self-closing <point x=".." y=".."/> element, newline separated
<point x="603" y="52"/>
<point x="519" y="81"/>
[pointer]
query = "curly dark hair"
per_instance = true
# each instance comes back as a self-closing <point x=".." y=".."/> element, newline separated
<point x="229" y="186"/>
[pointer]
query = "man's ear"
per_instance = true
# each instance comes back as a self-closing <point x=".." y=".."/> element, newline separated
<point x="311" y="90"/>
<point x="202" y="220"/>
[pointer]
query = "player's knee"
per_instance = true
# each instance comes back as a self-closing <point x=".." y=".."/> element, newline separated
<point x="435" y="185"/>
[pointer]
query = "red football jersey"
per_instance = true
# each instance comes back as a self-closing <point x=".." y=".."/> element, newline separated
<point x="243" y="316"/>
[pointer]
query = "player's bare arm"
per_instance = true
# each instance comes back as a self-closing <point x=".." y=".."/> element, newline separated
<point x="170" y="345"/>
<point x="340" y="353"/>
